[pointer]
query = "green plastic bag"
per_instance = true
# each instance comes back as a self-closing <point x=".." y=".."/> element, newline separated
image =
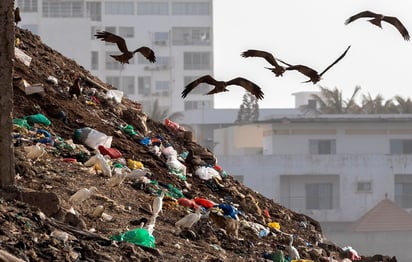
<point x="137" y="236"/>
<point x="129" y="130"/>
<point x="38" y="118"/>
<point x="21" y="122"/>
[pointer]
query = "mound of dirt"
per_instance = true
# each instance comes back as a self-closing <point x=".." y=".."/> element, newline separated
<point x="38" y="224"/>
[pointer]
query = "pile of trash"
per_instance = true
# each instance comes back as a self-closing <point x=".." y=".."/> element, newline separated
<point x="119" y="186"/>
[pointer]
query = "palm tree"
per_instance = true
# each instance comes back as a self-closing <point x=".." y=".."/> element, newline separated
<point x="377" y="105"/>
<point x="159" y="114"/>
<point x="404" y="106"/>
<point x="331" y="102"/>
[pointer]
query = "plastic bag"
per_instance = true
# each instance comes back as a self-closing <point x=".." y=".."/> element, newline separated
<point x="137" y="236"/>
<point x="38" y="118"/>
<point x="92" y="137"/>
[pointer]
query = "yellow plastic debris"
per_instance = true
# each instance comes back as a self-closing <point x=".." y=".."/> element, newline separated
<point x="274" y="225"/>
<point x="133" y="164"/>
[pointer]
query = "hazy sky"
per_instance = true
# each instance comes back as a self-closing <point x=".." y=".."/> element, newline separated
<point x="311" y="33"/>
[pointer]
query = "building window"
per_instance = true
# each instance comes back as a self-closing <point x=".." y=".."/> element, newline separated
<point x="319" y="196"/>
<point x="111" y="63"/>
<point x="94" y="11"/>
<point x="126" y="31"/>
<point x="152" y="8"/>
<point x="93" y="31"/>
<point x="403" y="190"/>
<point x="127" y="85"/>
<point x="113" y="80"/>
<point x="144" y="86"/>
<point x="191" y="35"/>
<point x="403" y="194"/>
<point x="95" y="60"/>
<point x="189" y="8"/>
<point x="160" y="38"/>
<point x="312" y="103"/>
<point x="197" y="60"/>
<point x="27" y="5"/>
<point x="322" y="146"/>
<point x="119" y="8"/>
<point x="364" y="186"/>
<point x="62" y="9"/>
<point x="401" y="146"/>
<point x="193" y="105"/>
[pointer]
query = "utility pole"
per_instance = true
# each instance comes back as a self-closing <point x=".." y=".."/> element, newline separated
<point x="7" y="170"/>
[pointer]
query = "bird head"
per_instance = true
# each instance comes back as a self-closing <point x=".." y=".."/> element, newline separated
<point x="93" y="189"/>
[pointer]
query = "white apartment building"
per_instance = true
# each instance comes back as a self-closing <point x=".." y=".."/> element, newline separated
<point x="333" y="168"/>
<point x="179" y="32"/>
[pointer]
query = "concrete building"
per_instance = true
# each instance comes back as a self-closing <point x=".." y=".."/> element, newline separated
<point x="333" y="168"/>
<point x="180" y="33"/>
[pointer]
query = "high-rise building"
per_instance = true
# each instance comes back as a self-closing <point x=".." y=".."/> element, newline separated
<point x="179" y="32"/>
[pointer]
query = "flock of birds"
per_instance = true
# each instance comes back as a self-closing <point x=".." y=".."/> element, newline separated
<point x="279" y="66"/>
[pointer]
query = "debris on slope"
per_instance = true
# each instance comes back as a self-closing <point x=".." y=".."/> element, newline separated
<point x="136" y="160"/>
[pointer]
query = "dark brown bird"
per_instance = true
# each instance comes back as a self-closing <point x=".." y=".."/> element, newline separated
<point x="220" y="86"/>
<point x="17" y="17"/>
<point x="311" y="73"/>
<point x="121" y="44"/>
<point x="278" y="70"/>
<point x="377" y="20"/>
<point x="75" y="88"/>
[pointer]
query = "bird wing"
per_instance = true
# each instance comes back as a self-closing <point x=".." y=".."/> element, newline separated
<point x="396" y="23"/>
<point x="337" y="60"/>
<point x="112" y="38"/>
<point x="360" y="15"/>
<point x="280" y="60"/>
<point x="307" y="71"/>
<point x="248" y="85"/>
<point x="208" y="79"/>
<point x="147" y="52"/>
<point x="263" y="54"/>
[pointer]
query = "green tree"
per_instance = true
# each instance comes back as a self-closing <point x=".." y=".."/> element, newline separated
<point x="330" y="101"/>
<point x="249" y="109"/>
<point x="377" y="105"/>
<point x="403" y="105"/>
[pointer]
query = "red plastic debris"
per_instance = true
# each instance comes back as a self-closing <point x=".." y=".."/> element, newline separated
<point x="112" y="152"/>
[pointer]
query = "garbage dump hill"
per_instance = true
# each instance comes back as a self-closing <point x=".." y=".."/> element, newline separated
<point x="102" y="181"/>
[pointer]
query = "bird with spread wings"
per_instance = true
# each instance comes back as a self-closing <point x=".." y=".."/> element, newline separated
<point x="313" y="75"/>
<point x="278" y="70"/>
<point x="377" y="20"/>
<point x="121" y="44"/>
<point x="221" y="86"/>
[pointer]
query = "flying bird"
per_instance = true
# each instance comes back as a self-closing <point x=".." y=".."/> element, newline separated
<point x="17" y="17"/>
<point x="378" y="18"/>
<point x="278" y="70"/>
<point x="121" y="44"/>
<point x="221" y="86"/>
<point x="311" y="73"/>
